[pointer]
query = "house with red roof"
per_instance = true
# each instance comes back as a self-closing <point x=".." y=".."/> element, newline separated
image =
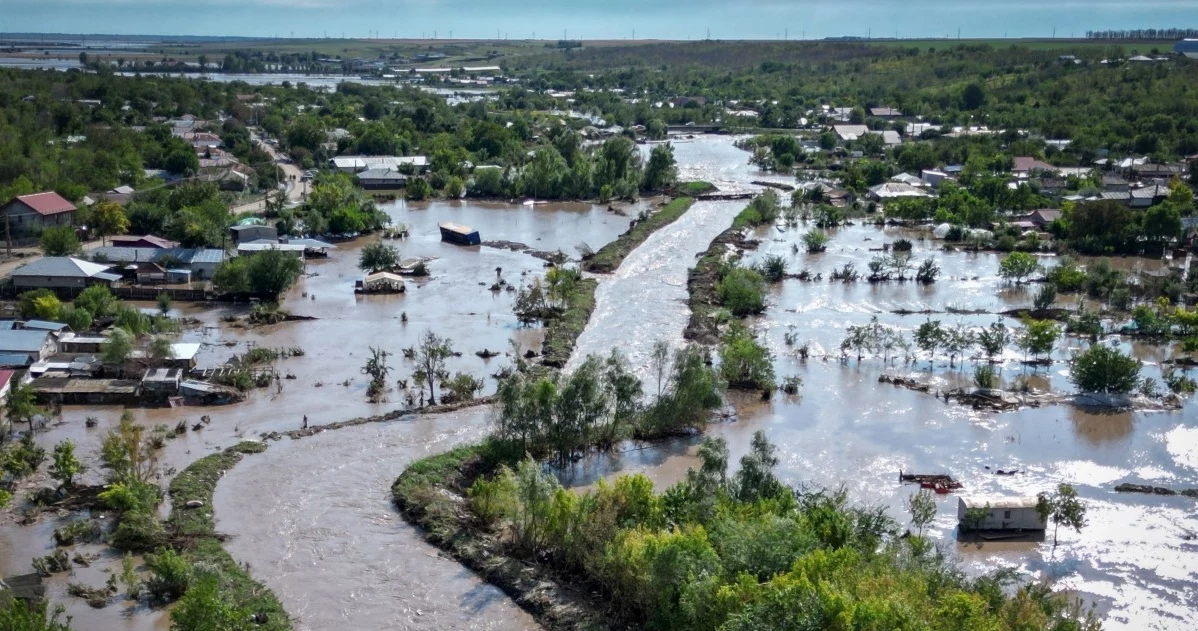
<point x="29" y="214"/>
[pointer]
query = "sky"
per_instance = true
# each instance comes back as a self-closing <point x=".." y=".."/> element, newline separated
<point x="594" y="19"/>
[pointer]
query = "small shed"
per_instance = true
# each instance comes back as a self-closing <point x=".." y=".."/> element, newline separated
<point x="184" y="355"/>
<point x="999" y="513"/>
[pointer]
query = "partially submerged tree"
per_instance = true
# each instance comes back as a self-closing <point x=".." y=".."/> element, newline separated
<point x="431" y="353"/>
<point x="378" y="257"/>
<point x="1017" y="267"/>
<point x="922" y="506"/>
<point x="21" y="405"/>
<point x="1062" y="507"/>
<point x="65" y="465"/>
<point x="1104" y="370"/>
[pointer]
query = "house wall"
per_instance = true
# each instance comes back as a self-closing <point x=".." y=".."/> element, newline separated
<point x="203" y="271"/>
<point x="49" y="282"/>
<point x="25" y="221"/>
<point x="1008" y="519"/>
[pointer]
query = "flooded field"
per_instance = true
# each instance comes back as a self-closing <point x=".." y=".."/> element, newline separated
<point x="313" y="517"/>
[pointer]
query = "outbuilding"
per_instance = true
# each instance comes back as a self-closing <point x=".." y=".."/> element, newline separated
<point x="999" y="513"/>
<point x="62" y="272"/>
<point x="29" y="214"/>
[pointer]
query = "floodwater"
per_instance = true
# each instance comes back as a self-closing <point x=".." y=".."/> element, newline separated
<point x="327" y="385"/>
<point x="313" y="517"/>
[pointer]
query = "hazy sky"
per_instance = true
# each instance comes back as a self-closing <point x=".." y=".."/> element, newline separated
<point x="675" y="19"/>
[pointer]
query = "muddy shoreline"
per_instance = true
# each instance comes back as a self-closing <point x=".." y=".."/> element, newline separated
<point x="430" y="495"/>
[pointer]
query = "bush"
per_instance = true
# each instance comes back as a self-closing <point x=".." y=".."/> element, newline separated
<point x="815" y="241"/>
<point x="138" y="531"/>
<point x="1045" y="296"/>
<point x="60" y="241"/>
<point x="81" y="531"/>
<point x="1105" y="370"/>
<point x="170" y="575"/>
<point x="745" y="363"/>
<point x="985" y="377"/>
<point x="773" y="268"/>
<point x="742" y="291"/>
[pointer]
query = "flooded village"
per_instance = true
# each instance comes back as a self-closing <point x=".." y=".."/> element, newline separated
<point x="271" y="377"/>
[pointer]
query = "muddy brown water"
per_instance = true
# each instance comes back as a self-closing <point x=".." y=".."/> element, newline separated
<point x="313" y="519"/>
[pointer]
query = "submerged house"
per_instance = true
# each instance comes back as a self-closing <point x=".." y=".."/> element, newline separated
<point x="999" y="513"/>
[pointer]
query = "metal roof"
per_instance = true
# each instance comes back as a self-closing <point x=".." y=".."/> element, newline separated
<point x="62" y="267"/>
<point x="23" y="341"/>
<point x="185" y="350"/>
<point x="14" y="359"/>
<point x="1000" y="502"/>
<point x="43" y="325"/>
<point x="50" y="203"/>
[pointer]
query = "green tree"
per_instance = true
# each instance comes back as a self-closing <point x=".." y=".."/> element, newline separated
<point x="1104" y="370"/>
<point x="1037" y="337"/>
<point x="60" y="241"/>
<point x="232" y="276"/>
<point x="160" y="351"/>
<point x="922" y="506"/>
<point x="47" y="307"/>
<point x="662" y="171"/>
<point x="993" y="339"/>
<point x="273" y="272"/>
<point x="98" y="300"/>
<point x="742" y="291"/>
<point x="117" y="349"/>
<point x="418" y="189"/>
<point x="1062" y="507"/>
<point x="19" y="615"/>
<point x="744" y="362"/>
<point x="756" y="480"/>
<point x="1018" y="267"/>
<point x="108" y="218"/>
<point x="27" y="301"/>
<point x="972" y="97"/>
<point x="204" y="608"/>
<point x="929" y="336"/>
<point x="377" y="257"/>
<point x="21" y="405"/>
<point x="431" y="353"/>
<point x="65" y="465"/>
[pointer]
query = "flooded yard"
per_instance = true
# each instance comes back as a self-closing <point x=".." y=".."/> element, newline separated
<point x="313" y="517"/>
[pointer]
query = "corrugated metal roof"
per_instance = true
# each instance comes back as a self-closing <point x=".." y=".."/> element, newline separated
<point x="22" y="341"/>
<point x="14" y="359"/>
<point x="43" y="325"/>
<point x="208" y="255"/>
<point x="61" y="267"/>
<point x="50" y="203"/>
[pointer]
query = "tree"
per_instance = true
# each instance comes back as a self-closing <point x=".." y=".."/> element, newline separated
<point x="756" y="480"/>
<point x="65" y="466"/>
<point x="1038" y="337"/>
<point x="19" y="615"/>
<point x="160" y="351"/>
<point x="930" y="336"/>
<point x="232" y="276"/>
<point x="272" y="272"/>
<point x="108" y="218"/>
<point x="972" y="97"/>
<point x="204" y="608"/>
<point x="98" y="300"/>
<point x="1062" y="507"/>
<point x="659" y="363"/>
<point x="1045" y="296"/>
<point x="377" y="257"/>
<point x="21" y="405"/>
<point x="60" y="241"/>
<point x="662" y="171"/>
<point x="418" y="189"/>
<point x="1018" y="266"/>
<point x="742" y="291"/>
<point x="922" y="506"/>
<point x="47" y="307"/>
<point x="376" y="367"/>
<point x="1104" y="370"/>
<point x="117" y="349"/>
<point x="431" y="353"/>
<point x="744" y="362"/>
<point x="993" y="339"/>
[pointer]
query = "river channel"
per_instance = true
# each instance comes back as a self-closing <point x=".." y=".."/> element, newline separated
<point x="313" y="520"/>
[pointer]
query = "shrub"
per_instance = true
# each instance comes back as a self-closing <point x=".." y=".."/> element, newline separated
<point x="742" y="291"/>
<point x="772" y="268"/>
<point x="985" y="377"/>
<point x="170" y="575"/>
<point x="815" y="241"/>
<point x="138" y="531"/>
<point x="81" y="531"/>
<point x="1045" y="296"/>
<point x="744" y="362"/>
<point x="1103" y="369"/>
